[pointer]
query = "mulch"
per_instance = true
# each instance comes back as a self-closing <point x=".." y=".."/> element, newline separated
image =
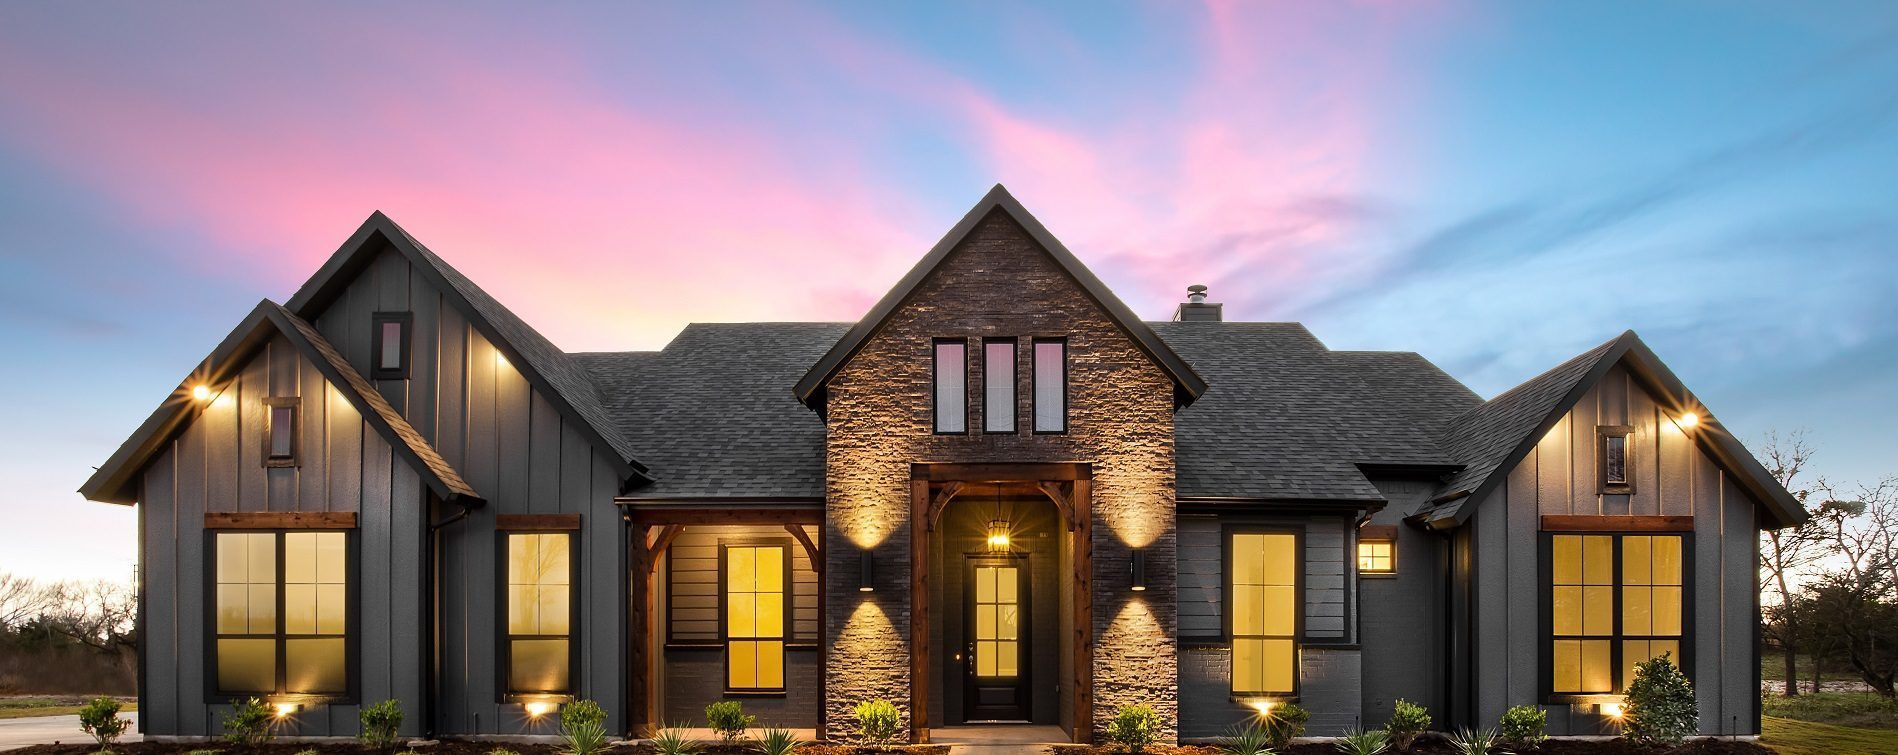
<point x="443" y="747"/>
<point x="1440" y="746"/>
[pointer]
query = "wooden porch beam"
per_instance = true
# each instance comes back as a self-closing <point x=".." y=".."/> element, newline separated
<point x="1062" y="495"/>
<point x="989" y="472"/>
<point x="810" y="548"/>
<point x="941" y="501"/>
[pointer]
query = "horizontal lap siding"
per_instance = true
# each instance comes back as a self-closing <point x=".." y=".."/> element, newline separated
<point x="692" y="565"/>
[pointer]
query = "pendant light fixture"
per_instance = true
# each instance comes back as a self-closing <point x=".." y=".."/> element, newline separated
<point x="998" y="526"/>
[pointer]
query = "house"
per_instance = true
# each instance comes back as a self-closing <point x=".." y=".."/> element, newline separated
<point x="999" y="496"/>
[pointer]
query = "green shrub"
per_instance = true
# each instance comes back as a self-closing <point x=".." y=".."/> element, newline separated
<point x="1249" y="739"/>
<point x="308" y="751"/>
<point x="380" y="722"/>
<point x="100" y="718"/>
<point x="203" y="752"/>
<point x="502" y="751"/>
<point x="1408" y="721"/>
<point x="583" y="727"/>
<point x="1661" y="707"/>
<point x="1522" y="725"/>
<point x="1363" y="742"/>
<point x="727" y="717"/>
<point x="878" y="721"/>
<point x="1474" y="741"/>
<point x="1283" y="722"/>
<point x="1134" y="727"/>
<point x="775" y="741"/>
<point x="672" y="741"/>
<point x="250" y="724"/>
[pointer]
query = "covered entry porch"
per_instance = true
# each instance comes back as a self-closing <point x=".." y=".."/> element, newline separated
<point x="1000" y="587"/>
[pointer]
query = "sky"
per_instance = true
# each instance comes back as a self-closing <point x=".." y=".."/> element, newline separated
<point x="1496" y="186"/>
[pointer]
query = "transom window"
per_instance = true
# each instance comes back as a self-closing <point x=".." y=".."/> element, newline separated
<point x="755" y="579"/>
<point x="1262" y="591"/>
<point x="282" y="612"/>
<point x="952" y="379"/>
<point x="540" y="610"/>
<point x="1615" y="600"/>
<point x="1377" y="557"/>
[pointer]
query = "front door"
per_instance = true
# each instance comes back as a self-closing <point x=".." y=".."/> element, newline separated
<point x="995" y="663"/>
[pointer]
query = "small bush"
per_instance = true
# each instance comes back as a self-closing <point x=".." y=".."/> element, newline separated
<point x="502" y="751"/>
<point x="878" y="722"/>
<point x="1522" y="726"/>
<point x="1249" y="739"/>
<point x="251" y="723"/>
<point x="583" y="727"/>
<point x="380" y="722"/>
<point x="1134" y="727"/>
<point x="1660" y="706"/>
<point x="1283" y="722"/>
<point x="1362" y="742"/>
<point x="672" y="741"/>
<point x="727" y="717"/>
<point x="203" y="752"/>
<point x="1408" y="721"/>
<point x="100" y="718"/>
<point x="1474" y="742"/>
<point x="775" y="741"/>
<point x="308" y="751"/>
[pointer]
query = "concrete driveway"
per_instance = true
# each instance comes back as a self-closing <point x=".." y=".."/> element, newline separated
<point x="46" y="730"/>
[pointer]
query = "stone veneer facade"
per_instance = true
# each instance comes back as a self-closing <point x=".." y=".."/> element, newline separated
<point x="1000" y="283"/>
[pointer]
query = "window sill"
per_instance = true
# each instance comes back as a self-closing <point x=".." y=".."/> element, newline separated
<point x="1377" y="575"/>
<point x="756" y="693"/>
<point x="1583" y="699"/>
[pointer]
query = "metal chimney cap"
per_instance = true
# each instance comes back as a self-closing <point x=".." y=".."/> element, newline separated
<point x="1196" y="293"/>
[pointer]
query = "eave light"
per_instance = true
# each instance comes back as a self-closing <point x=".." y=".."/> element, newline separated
<point x="201" y="393"/>
<point x="1688" y="420"/>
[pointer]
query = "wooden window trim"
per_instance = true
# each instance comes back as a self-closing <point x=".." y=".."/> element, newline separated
<point x="280" y="520"/>
<point x="1298" y="603"/>
<point x="352" y="621"/>
<point x="1616" y="524"/>
<point x="1545" y="556"/>
<point x="524" y="525"/>
<point x="1626" y="434"/>
<point x="1014" y="385"/>
<point x="935" y="385"/>
<point x="376" y="370"/>
<point x="296" y="430"/>
<point x="790" y="614"/>
<point x="1034" y="389"/>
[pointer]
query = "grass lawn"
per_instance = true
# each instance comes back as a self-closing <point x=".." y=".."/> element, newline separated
<point x="52" y="705"/>
<point x="1861" y="710"/>
<point x="1791" y="737"/>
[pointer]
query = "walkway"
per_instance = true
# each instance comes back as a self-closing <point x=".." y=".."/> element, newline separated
<point x="998" y="739"/>
<point x="46" y="730"/>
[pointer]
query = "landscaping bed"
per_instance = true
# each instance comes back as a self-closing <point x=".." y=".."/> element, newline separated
<point x="445" y="747"/>
<point x="1439" y="746"/>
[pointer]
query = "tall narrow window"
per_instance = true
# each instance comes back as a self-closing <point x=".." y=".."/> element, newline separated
<point x="1596" y="638"/>
<point x="1615" y="461"/>
<point x="998" y="385"/>
<point x="1262" y="590"/>
<point x="1051" y="385"/>
<point x="755" y="580"/>
<point x="389" y="346"/>
<point x="952" y="386"/>
<point x="539" y="613"/>
<point x="282" y="615"/>
<point x="280" y="436"/>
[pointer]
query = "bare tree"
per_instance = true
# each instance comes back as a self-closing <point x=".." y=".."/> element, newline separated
<point x="1786" y="552"/>
<point x="21" y="599"/>
<point x="101" y="615"/>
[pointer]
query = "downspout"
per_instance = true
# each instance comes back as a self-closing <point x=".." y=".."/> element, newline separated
<point x="431" y="597"/>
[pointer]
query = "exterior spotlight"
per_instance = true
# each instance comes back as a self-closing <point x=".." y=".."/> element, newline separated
<point x="539" y="708"/>
<point x="1612" y="710"/>
<point x="1688" y="420"/>
<point x="1139" y="570"/>
<point x="998" y="536"/>
<point x="285" y="709"/>
<point x="201" y="393"/>
<point x="866" y="581"/>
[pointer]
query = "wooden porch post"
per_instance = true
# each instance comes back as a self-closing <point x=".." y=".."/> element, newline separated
<point x="640" y="656"/>
<point x="919" y="516"/>
<point x="1083" y="506"/>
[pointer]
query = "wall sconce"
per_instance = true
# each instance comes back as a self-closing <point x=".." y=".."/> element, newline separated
<point x="1139" y="570"/>
<point x="866" y="579"/>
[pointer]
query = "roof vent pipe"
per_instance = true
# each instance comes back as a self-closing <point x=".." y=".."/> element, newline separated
<point x="1196" y="308"/>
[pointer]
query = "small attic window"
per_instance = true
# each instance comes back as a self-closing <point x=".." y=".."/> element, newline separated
<point x="1615" y="457"/>
<point x="280" y="434"/>
<point x="389" y="345"/>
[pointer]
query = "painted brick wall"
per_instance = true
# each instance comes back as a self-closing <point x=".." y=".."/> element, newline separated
<point x="999" y="283"/>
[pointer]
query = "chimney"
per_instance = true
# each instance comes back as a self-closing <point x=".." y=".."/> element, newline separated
<point x="1196" y="308"/>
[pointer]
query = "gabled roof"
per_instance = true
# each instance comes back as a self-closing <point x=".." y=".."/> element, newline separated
<point x="1187" y="385"/>
<point x="117" y="480"/>
<point x="1492" y="438"/>
<point x="552" y="372"/>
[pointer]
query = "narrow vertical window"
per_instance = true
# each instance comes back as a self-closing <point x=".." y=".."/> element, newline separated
<point x="389" y="345"/>
<point x="755" y="579"/>
<point x="280" y="435"/>
<point x="1614" y="453"/>
<point x="1262" y="590"/>
<point x="952" y="381"/>
<point x="1051" y="385"/>
<point x="1377" y="557"/>
<point x="540" y="607"/>
<point x="998" y="385"/>
<point x="281" y="613"/>
<point x="1651" y="583"/>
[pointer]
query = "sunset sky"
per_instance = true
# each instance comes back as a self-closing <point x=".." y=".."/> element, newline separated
<point x="1496" y="186"/>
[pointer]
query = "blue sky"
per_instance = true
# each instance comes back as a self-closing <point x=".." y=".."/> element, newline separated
<point x="1497" y="186"/>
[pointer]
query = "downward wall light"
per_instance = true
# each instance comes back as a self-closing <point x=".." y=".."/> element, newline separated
<point x="865" y="580"/>
<point x="1688" y="420"/>
<point x="1139" y="570"/>
<point x="200" y="392"/>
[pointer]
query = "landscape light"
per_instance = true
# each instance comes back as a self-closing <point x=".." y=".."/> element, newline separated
<point x="539" y="708"/>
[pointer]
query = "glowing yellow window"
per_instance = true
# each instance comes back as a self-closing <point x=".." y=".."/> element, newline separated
<point x="755" y="582"/>
<point x="1595" y="640"/>
<point x="1262" y="588"/>
<point x="1651" y="583"/>
<point x="1376" y="557"/>
<point x="308" y="572"/>
<point x="997" y="621"/>
<point x="539" y="613"/>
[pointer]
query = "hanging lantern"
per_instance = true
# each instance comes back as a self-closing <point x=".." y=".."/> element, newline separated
<point x="998" y="526"/>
